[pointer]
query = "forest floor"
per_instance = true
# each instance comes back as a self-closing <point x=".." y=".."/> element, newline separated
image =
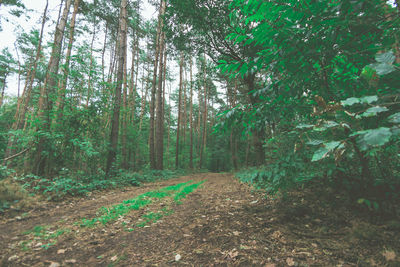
<point x="222" y="223"/>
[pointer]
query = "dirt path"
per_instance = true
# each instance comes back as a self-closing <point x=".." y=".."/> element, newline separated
<point x="222" y="223"/>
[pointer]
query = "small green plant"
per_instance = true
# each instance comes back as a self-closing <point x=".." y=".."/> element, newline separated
<point x="153" y="217"/>
<point x="43" y="232"/>
<point x="105" y="215"/>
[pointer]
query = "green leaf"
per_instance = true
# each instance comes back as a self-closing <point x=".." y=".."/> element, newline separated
<point x="332" y="145"/>
<point x="369" y="99"/>
<point x="314" y="142"/>
<point x="395" y="118"/>
<point x="331" y="124"/>
<point x="320" y="154"/>
<point x="374" y="137"/>
<point x="304" y="126"/>
<point x="351" y="101"/>
<point x="382" y="68"/>
<point x="374" y="111"/>
<point x="387" y="57"/>
<point x="324" y="151"/>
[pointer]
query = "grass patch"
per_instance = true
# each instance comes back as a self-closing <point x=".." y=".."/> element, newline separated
<point x="153" y="217"/>
<point x="115" y="212"/>
<point x="42" y="233"/>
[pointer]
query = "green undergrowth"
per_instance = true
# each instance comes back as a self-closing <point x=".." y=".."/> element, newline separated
<point x="79" y="184"/>
<point x="107" y="214"/>
<point x="153" y="217"/>
<point x="48" y="235"/>
<point x="42" y="234"/>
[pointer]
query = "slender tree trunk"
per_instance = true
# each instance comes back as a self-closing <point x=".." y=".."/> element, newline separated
<point x="112" y="153"/>
<point x="103" y="52"/>
<point x="179" y="111"/>
<point x="19" y="70"/>
<point x="203" y="143"/>
<point x="159" y="142"/>
<point x="125" y="117"/>
<point x="169" y="124"/>
<point x="23" y="102"/>
<point x="47" y="91"/>
<point x="153" y="94"/>
<point x="144" y="97"/>
<point x="2" y="91"/>
<point x="184" y="106"/>
<point x="191" y="116"/>
<point x="64" y="81"/>
<point x="132" y="86"/>
<point x="258" y="135"/>
<point x="89" y="91"/>
<point x="164" y="86"/>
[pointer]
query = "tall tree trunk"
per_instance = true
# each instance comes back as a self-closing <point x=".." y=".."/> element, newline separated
<point x="19" y="70"/>
<point x="179" y="111"/>
<point x="159" y="142"/>
<point x="125" y="116"/>
<point x="169" y="124"/>
<point x="89" y="90"/>
<point x="258" y="135"/>
<point x="2" y="91"/>
<point x="23" y="102"/>
<point x="144" y="97"/>
<point x="184" y="106"/>
<point x="64" y="81"/>
<point x="132" y="86"/>
<point x="153" y="93"/>
<point x="103" y="52"/>
<point x="112" y="152"/>
<point x="203" y="143"/>
<point x="191" y="116"/>
<point x="47" y="91"/>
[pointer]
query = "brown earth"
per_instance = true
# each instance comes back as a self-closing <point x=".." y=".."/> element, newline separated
<point x="222" y="223"/>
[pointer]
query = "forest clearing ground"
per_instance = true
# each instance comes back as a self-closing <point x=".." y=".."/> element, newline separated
<point x="223" y="223"/>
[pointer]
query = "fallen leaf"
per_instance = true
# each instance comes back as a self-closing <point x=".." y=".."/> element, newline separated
<point x="389" y="255"/>
<point x="114" y="258"/>
<point x="270" y="265"/>
<point x="54" y="264"/>
<point x="12" y="258"/>
<point x="290" y="262"/>
<point x="71" y="261"/>
<point x="236" y="233"/>
<point x="61" y="251"/>
<point x="233" y="254"/>
<point x="276" y="234"/>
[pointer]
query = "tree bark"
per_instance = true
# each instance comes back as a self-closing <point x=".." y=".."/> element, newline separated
<point x="112" y="153"/>
<point x="258" y="134"/>
<point x="203" y="142"/>
<point x="64" y="81"/>
<point x="179" y="111"/>
<point x="191" y="116"/>
<point x="152" y="152"/>
<point x="159" y="146"/>
<point x="45" y="104"/>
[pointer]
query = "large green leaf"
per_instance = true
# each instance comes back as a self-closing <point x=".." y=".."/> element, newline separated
<point x="324" y="151"/>
<point x="351" y="101"/>
<point x="373" y="137"/>
<point x="320" y="154"/>
<point x="382" y="68"/>
<point x="387" y="57"/>
<point x="374" y="111"/>
<point x="395" y="118"/>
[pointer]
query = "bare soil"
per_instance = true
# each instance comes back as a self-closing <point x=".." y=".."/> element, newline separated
<point x="222" y="223"/>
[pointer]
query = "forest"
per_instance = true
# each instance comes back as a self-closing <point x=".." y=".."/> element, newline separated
<point x="284" y="115"/>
